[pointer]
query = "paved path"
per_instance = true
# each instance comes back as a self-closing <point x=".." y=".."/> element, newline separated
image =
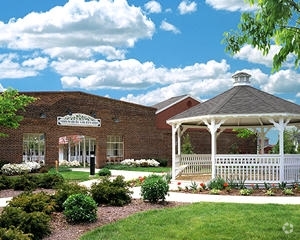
<point x="188" y="197"/>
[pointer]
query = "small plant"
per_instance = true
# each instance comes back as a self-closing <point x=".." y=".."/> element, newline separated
<point x="115" y="193"/>
<point x="246" y="192"/>
<point x="179" y="186"/>
<point x="104" y="172"/>
<point x="64" y="191"/>
<point x="214" y="191"/>
<point x="14" y="233"/>
<point x="203" y="186"/>
<point x="194" y="186"/>
<point x="34" y="202"/>
<point x="35" y="223"/>
<point x="288" y="191"/>
<point x="80" y="208"/>
<point x="267" y="185"/>
<point x="217" y="183"/>
<point x="270" y="192"/>
<point x="282" y="185"/>
<point x="154" y="188"/>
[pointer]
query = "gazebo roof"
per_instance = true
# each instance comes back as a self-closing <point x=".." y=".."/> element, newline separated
<point x="242" y="105"/>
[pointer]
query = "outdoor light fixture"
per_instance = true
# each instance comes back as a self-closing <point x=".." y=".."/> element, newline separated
<point x="93" y="114"/>
<point x="115" y="119"/>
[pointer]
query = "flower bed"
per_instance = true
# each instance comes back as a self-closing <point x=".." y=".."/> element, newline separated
<point x="141" y="163"/>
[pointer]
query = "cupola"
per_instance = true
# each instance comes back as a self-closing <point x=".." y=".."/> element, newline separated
<point x="241" y="78"/>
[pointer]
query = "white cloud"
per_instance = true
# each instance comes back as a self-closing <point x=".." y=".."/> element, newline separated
<point x="90" y="27"/>
<point x="153" y="7"/>
<point x="230" y="5"/>
<point x="187" y="7"/>
<point x="13" y="67"/>
<point x="283" y="81"/>
<point x="169" y="27"/>
<point x="254" y="55"/>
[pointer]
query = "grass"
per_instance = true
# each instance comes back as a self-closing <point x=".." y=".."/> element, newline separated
<point x="205" y="221"/>
<point x="139" y="169"/>
<point x="77" y="176"/>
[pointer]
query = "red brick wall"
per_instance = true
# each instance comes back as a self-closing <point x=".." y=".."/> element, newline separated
<point x="136" y="125"/>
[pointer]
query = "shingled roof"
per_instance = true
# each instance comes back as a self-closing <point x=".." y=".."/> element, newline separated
<point x="170" y="102"/>
<point x="242" y="103"/>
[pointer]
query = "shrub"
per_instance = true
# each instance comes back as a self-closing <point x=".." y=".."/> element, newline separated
<point x="36" y="223"/>
<point x="64" y="191"/>
<point x="26" y="182"/>
<point x="16" y="169"/>
<point x="140" y="163"/>
<point x="80" y="208"/>
<point x="34" y="202"/>
<point x="104" y="172"/>
<point x="13" y="233"/>
<point x="69" y="163"/>
<point x="50" y="180"/>
<point x="115" y="193"/>
<point x="5" y="182"/>
<point x="163" y="162"/>
<point x="154" y="188"/>
<point x="217" y="183"/>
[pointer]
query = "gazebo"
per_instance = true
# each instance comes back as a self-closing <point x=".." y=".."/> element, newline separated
<point x="242" y="106"/>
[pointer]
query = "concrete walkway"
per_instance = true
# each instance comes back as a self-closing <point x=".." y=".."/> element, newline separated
<point x="186" y="197"/>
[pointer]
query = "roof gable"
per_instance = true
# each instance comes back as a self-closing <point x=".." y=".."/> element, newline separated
<point x="161" y="106"/>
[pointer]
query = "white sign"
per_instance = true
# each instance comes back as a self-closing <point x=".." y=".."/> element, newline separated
<point x="79" y="120"/>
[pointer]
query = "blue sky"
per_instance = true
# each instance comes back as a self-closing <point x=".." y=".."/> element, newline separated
<point x="137" y="51"/>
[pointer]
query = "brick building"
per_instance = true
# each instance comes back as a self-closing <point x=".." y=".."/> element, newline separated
<point x="74" y="125"/>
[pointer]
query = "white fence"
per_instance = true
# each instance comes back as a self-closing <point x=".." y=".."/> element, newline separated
<point x="249" y="168"/>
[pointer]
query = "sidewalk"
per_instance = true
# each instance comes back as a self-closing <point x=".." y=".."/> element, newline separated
<point x="186" y="197"/>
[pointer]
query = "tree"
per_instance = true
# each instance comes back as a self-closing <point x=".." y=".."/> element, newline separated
<point x="186" y="147"/>
<point x="289" y="137"/>
<point x="274" y="22"/>
<point x="11" y="102"/>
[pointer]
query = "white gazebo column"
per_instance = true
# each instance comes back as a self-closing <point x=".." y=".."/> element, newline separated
<point x="175" y="128"/>
<point x="213" y="127"/>
<point x="280" y="126"/>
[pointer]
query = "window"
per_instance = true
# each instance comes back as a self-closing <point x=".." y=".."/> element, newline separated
<point x="115" y="146"/>
<point x="34" y="147"/>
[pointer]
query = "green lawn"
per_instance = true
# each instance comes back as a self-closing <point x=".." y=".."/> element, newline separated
<point x="139" y="169"/>
<point x="77" y="176"/>
<point x="206" y="221"/>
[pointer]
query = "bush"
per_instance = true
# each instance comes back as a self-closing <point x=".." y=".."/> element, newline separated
<point x="64" y="191"/>
<point x="26" y="182"/>
<point x="104" y="172"/>
<point x="50" y="180"/>
<point x="163" y="162"/>
<point x="34" y="202"/>
<point x="115" y="193"/>
<point x="5" y="182"/>
<point x="22" y="168"/>
<point x="36" y="223"/>
<point x="13" y="233"/>
<point x="155" y="188"/>
<point x="217" y="183"/>
<point x="80" y="208"/>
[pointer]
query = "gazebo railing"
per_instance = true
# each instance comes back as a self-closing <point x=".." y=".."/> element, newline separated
<point x="195" y="163"/>
<point x="252" y="168"/>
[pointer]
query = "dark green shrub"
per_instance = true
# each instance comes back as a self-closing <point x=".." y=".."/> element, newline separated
<point x="155" y="188"/>
<point x="26" y="182"/>
<point x="104" y="172"/>
<point x="64" y="191"/>
<point x="3" y="162"/>
<point x="50" y="180"/>
<point x="34" y="202"/>
<point x="115" y="193"/>
<point x="5" y="182"/>
<point x="13" y="233"/>
<point x="162" y="162"/>
<point x="80" y="208"/>
<point x="36" y="223"/>
<point x="216" y="183"/>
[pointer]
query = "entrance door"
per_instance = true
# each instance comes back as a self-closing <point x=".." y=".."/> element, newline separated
<point x="76" y="148"/>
